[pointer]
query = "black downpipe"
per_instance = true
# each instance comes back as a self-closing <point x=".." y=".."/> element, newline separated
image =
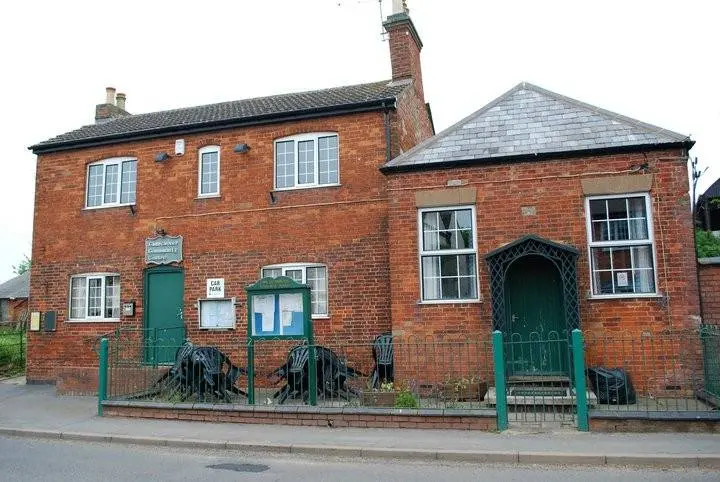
<point x="388" y="143"/>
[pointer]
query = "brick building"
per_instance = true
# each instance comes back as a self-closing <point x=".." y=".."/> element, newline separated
<point x="14" y="299"/>
<point x="257" y="187"/>
<point x="539" y="214"/>
<point x="536" y="203"/>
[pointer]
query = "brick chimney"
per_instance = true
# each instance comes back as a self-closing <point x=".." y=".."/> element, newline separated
<point x="405" y="47"/>
<point x="110" y="110"/>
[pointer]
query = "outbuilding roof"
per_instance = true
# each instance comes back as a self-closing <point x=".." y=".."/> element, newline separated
<point x="528" y="121"/>
<point x="17" y="287"/>
<point x="227" y="114"/>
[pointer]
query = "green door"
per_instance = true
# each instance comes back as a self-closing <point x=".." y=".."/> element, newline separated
<point x="537" y="335"/>
<point x="163" y="314"/>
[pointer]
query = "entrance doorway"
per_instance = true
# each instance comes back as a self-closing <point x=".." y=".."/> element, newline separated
<point x="163" y="314"/>
<point x="536" y="328"/>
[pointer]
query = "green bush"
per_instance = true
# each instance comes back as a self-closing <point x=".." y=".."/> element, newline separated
<point x="405" y="399"/>
<point x="708" y="245"/>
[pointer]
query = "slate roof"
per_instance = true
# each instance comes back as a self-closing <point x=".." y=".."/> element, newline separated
<point x="713" y="191"/>
<point x="17" y="287"/>
<point x="529" y="121"/>
<point x="276" y="107"/>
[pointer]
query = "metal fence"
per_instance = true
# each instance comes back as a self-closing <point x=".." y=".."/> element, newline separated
<point x="533" y="379"/>
<point x="397" y="372"/>
<point x="649" y="372"/>
<point x="13" y="348"/>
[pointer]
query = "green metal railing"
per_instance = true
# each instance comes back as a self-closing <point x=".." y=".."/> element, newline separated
<point x="710" y="336"/>
<point x="13" y="351"/>
<point x="672" y="372"/>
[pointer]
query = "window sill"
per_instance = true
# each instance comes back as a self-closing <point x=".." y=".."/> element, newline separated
<point x="217" y="328"/>
<point x="208" y="196"/>
<point x="629" y="296"/>
<point x="95" y="208"/>
<point x="94" y="320"/>
<point x="449" y="302"/>
<point x="320" y="317"/>
<point x="301" y="188"/>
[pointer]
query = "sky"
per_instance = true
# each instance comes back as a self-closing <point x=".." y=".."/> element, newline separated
<point x="656" y="61"/>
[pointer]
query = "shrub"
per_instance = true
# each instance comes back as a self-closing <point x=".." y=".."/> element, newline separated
<point x="708" y="245"/>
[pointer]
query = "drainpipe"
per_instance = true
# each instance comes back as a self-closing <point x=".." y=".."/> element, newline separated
<point x="388" y="142"/>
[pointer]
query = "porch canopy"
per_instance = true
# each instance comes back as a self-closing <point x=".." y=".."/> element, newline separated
<point x="563" y="256"/>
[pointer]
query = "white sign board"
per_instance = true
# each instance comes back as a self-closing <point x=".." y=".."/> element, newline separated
<point x="216" y="288"/>
<point x="622" y="279"/>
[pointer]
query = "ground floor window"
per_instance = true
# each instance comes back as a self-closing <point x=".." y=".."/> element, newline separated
<point x="448" y="254"/>
<point x="620" y="238"/>
<point x="314" y="275"/>
<point x="95" y="296"/>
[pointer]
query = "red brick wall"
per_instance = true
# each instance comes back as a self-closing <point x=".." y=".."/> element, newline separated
<point x="710" y="290"/>
<point x="553" y="187"/>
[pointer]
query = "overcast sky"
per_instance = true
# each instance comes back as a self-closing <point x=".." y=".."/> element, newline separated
<point x="652" y="60"/>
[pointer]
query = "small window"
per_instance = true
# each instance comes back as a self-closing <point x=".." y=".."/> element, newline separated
<point x="307" y="160"/>
<point x="448" y="256"/>
<point x="95" y="296"/>
<point x="111" y="182"/>
<point x="621" y="245"/>
<point x="314" y="275"/>
<point x="209" y="171"/>
<point x="219" y="313"/>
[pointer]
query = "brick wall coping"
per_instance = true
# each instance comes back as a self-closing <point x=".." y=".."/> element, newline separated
<point x="665" y="416"/>
<point x="227" y="407"/>
<point x="714" y="260"/>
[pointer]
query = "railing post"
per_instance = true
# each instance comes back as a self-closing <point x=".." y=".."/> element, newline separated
<point x="251" y="371"/>
<point x="102" y="375"/>
<point x="500" y="391"/>
<point x="578" y="347"/>
<point x="312" y="375"/>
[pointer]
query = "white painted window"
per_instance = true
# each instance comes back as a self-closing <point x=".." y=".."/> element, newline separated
<point x="307" y="160"/>
<point x="217" y="313"/>
<point x="209" y="171"/>
<point x="111" y="182"/>
<point x="314" y="275"/>
<point x="621" y="245"/>
<point x="95" y="296"/>
<point x="448" y="254"/>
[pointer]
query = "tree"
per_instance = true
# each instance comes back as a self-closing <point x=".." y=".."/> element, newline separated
<point x="23" y="266"/>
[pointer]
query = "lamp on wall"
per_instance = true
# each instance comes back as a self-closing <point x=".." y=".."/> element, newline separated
<point x="162" y="157"/>
<point x="241" y="148"/>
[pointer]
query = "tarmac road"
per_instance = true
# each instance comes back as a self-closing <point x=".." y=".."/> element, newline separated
<point x="23" y="459"/>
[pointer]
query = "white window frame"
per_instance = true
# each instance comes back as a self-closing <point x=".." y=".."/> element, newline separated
<point x="449" y="252"/>
<point x="201" y="151"/>
<point x="303" y="266"/>
<point x="234" y="317"/>
<point x="105" y="162"/>
<point x="614" y="244"/>
<point x="87" y="318"/>
<point x="314" y="136"/>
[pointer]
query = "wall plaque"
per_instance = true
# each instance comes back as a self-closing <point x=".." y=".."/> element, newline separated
<point x="163" y="250"/>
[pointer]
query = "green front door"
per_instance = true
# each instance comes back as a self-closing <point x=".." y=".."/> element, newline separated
<point x="537" y="335"/>
<point x="163" y="314"/>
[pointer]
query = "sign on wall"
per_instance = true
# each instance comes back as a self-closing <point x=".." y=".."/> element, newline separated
<point x="163" y="250"/>
<point x="216" y="288"/>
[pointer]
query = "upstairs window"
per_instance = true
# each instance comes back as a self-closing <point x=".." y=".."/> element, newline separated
<point x="209" y="171"/>
<point x="95" y="296"/>
<point x="314" y="275"/>
<point x="307" y="160"/>
<point x="621" y="245"/>
<point x="111" y="182"/>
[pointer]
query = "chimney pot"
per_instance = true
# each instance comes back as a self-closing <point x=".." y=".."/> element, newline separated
<point x="110" y="95"/>
<point x="120" y="98"/>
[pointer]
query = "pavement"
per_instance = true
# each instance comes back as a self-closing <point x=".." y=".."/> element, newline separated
<point x="36" y="412"/>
